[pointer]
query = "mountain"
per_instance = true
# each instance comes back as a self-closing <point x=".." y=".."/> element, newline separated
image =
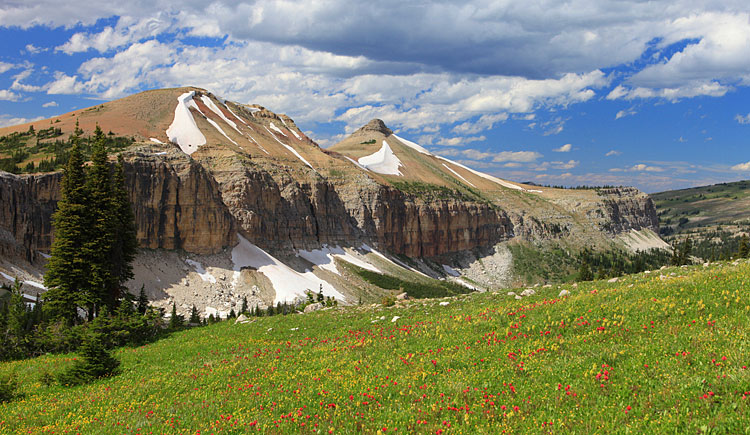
<point x="232" y="200"/>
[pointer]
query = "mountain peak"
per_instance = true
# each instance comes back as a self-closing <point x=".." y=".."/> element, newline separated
<point x="375" y="125"/>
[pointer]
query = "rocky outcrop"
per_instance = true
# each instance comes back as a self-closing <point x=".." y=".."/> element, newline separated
<point x="628" y="208"/>
<point x="176" y="202"/>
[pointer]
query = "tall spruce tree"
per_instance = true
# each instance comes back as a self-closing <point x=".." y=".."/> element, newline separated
<point x="126" y="243"/>
<point x="102" y="231"/>
<point x="67" y="276"/>
<point x="744" y="249"/>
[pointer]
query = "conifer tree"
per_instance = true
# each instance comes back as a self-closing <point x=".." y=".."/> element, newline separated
<point x="744" y="248"/>
<point x="243" y="310"/>
<point x="102" y="231"/>
<point x="142" y="300"/>
<point x="175" y="321"/>
<point x="96" y="362"/>
<point x="584" y="272"/>
<point x="125" y="244"/>
<point x="67" y="276"/>
<point x="194" y="317"/>
<point x="232" y="314"/>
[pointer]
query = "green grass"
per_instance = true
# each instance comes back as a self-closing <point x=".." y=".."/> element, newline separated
<point x="675" y="352"/>
<point x="430" y="288"/>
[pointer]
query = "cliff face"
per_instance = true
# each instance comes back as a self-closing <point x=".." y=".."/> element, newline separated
<point x="176" y="204"/>
<point x="26" y="207"/>
<point x="200" y="206"/>
<point x="628" y="208"/>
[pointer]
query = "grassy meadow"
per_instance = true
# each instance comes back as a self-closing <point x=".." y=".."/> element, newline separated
<point x="659" y="352"/>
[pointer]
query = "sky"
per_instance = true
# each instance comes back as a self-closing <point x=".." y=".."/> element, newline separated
<point x="600" y="92"/>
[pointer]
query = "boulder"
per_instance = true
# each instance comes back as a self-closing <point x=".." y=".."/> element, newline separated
<point x="313" y="307"/>
<point x="564" y="293"/>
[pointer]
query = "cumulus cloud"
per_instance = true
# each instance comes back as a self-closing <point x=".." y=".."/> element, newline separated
<point x="624" y="113"/>
<point x="496" y="157"/>
<point x="564" y="148"/>
<point x="458" y="141"/>
<point x="50" y="104"/>
<point x="645" y="168"/>
<point x="4" y="66"/>
<point x="744" y="167"/>
<point x="9" y="120"/>
<point x="6" y="95"/>
<point x="742" y="119"/>
<point x="611" y="153"/>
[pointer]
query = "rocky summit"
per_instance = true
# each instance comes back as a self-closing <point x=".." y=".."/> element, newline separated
<point x="233" y="201"/>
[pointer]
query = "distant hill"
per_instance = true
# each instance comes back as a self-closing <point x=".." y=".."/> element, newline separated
<point x="713" y="216"/>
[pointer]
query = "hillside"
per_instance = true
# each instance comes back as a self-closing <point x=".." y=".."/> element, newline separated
<point x="714" y="217"/>
<point x="673" y="359"/>
<point x="234" y="201"/>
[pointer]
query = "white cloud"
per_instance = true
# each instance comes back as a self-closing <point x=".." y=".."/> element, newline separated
<point x="126" y="31"/>
<point x="496" y="157"/>
<point x="645" y="168"/>
<point x="4" y="66"/>
<point x="6" y="95"/>
<point x="33" y="49"/>
<point x="564" y="149"/>
<point x="624" y="113"/>
<point x="458" y="141"/>
<point x="613" y="153"/>
<point x="744" y="167"/>
<point x="50" y="104"/>
<point x="743" y="119"/>
<point x="10" y="120"/>
<point x="570" y="164"/>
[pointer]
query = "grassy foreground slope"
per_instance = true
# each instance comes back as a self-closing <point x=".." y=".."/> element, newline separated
<point x="665" y="352"/>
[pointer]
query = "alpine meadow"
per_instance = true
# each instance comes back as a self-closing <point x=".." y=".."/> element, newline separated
<point x="291" y="217"/>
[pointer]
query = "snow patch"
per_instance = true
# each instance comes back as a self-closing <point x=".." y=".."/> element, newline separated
<point x="450" y="271"/>
<point x="412" y="145"/>
<point x="216" y="313"/>
<point x="235" y="115"/>
<point x="287" y="282"/>
<point x="155" y="140"/>
<point x="12" y="279"/>
<point x="485" y="176"/>
<point x="292" y="150"/>
<point x="356" y="163"/>
<point x="394" y="262"/>
<point x="324" y="258"/>
<point x="277" y="129"/>
<point x="458" y="175"/>
<point x="205" y="276"/>
<point x="214" y="108"/>
<point x="212" y="122"/>
<point x="184" y="131"/>
<point x="383" y="161"/>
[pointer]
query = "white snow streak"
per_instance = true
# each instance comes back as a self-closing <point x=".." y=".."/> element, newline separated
<point x="458" y="175"/>
<point x="183" y="131"/>
<point x="450" y="271"/>
<point x="235" y="115"/>
<point x="205" y="276"/>
<point x="273" y="127"/>
<point x="287" y="282"/>
<point x="210" y="104"/>
<point x="382" y="162"/>
<point x="212" y="122"/>
<point x="290" y="129"/>
<point x="412" y="145"/>
<point x="485" y="176"/>
<point x="155" y="140"/>
<point x="324" y="258"/>
<point x="292" y="150"/>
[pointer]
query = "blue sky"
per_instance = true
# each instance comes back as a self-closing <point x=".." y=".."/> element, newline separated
<point x="652" y="94"/>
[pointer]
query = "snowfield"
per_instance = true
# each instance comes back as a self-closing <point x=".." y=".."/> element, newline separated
<point x="183" y="131"/>
<point x="291" y="150"/>
<point x="384" y="161"/>
<point x="287" y="282"/>
<point x="324" y="258"/>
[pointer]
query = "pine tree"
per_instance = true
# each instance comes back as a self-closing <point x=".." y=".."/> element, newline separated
<point x="142" y="300"/>
<point x="68" y="271"/>
<point x="232" y="314"/>
<point x="175" y="321"/>
<point x="243" y="310"/>
<point x="125" y="244"/>
<point x="195" y="319"/>
<point x="584" y="272"/>
<point x="95" y="362"/>
<point x="744" y="248"/>
<point x="102" y="232"/>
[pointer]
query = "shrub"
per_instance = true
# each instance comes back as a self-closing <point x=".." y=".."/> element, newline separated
<point x="8" y="387"/>
<point x="95" y="362"/>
